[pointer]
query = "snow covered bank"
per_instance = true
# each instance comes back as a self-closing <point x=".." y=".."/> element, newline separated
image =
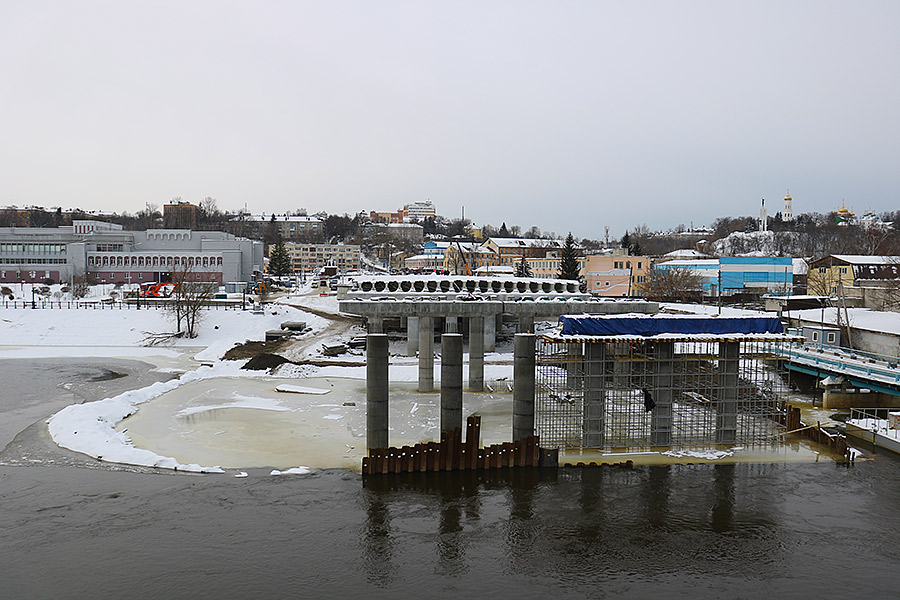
<point x="89" y="428"/>
<point x="102" y="331"/>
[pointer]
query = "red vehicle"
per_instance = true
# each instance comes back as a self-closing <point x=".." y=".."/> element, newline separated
<point x="156" y="290"/>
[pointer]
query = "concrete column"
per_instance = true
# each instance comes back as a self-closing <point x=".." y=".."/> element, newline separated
<point x="661" y="419"/>
<point x="476" y="354"/>
<point x="726" y="405"/>
<point x="412" y="336"/>
<point x="574" y="358"/>
<point x="375" y="324"/>
<point x="451" y="381"/>
<point x="523" y="386"/>
<point x="490" y="333"/>
<point x="526" y="324"/>
<point x="426" y="354"/>
<point x="594" y="395"/>
<point x="451" y="324"/>
<point x="376" y="391"/>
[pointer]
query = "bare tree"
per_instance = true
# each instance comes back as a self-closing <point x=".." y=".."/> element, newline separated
<point x="190" y="297"/>
<point x="669" y="285"/>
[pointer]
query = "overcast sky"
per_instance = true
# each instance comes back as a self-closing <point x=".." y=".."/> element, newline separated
<point x="570" y="116"/>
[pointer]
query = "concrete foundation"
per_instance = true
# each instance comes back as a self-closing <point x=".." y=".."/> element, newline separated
<point x="835" y="397"/>
<point x="523" y="386"/>
<point x="451" y="381"/>
<point x="376" y="391"/>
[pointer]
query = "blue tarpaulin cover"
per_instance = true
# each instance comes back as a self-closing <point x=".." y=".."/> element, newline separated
<point x="647" y="326"/>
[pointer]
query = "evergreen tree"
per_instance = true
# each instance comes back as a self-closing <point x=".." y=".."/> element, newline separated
<point x="568" y="263"/>
<point x="522" y="268"/>
<point x="504" y="232"/>
<point x="279" y="259"/>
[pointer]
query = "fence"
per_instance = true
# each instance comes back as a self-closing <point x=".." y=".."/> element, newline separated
<point x="74" y="305"/>
<point x="630" y="395"/>
<point x="454" y="454"/>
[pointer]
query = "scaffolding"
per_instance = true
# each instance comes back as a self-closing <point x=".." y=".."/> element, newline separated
<point x="633" y="392"/>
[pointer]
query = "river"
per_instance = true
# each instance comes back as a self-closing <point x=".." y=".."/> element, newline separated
<point x="74" y="528"/>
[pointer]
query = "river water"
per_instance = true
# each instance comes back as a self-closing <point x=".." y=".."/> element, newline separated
<point x="74" y="528"/>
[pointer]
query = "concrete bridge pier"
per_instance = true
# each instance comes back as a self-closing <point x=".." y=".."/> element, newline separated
<point x="451" y="381"/>
<point x="476" y="354"/>
<point x="726" y="405"/>
<point x="426" y="354"/>
<point x="526" y="324"/>
<point x="412" y="336"/>
<point x="376" y="391"/>
<point x="523" y="386"/>
<point x="661" y="419"/>
<point x="594" y="395"/>
<point x="490" y="333"/>
<point x="451" y="324"/>
<point x="375" y="325"/>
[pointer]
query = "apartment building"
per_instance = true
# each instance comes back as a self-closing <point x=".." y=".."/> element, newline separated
<point x="308" y="258"/>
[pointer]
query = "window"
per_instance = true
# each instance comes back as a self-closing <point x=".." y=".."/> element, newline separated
<point x="823" y="269"/>
<point x="639" y="265"/>
<point x="833" y="290"/>
<point x="815" y="336"/>
<point x="831" y="337"/>
<point x="842" y="270"/>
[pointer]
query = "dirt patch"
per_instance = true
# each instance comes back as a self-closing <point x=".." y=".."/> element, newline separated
<point x="264" y="361"/>
<point x="253" y="349"/>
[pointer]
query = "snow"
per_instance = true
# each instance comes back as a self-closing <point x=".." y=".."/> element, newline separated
<point x="860" y="318"/>
<point x="702" y="454"/>
<point x="291" y="471"/>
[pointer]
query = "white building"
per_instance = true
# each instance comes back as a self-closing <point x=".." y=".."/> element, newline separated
<point x="104" y="253"/>
<point x="418" y="211"/>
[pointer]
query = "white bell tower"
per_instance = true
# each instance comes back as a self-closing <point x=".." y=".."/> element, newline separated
<point x="788" y="213"/>
<point x="763" y="217"/>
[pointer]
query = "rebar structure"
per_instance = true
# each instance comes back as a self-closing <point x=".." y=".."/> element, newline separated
<point x="631" y="393"/>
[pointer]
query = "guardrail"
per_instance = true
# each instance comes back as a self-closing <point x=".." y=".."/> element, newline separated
<point x="860" y="364"/>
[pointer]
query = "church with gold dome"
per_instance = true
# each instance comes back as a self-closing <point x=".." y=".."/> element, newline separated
<point x="844" y="215"/>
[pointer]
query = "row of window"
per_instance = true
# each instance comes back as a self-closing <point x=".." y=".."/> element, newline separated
<point x="110" y="247"/>
<point x="154" y="261"/>
<point x="31" y="274"/>
<point x="34" y="248"/>
<point x="32" y="261"/>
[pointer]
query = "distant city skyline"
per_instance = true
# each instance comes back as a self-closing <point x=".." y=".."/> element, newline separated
<point x="570" y="116"/>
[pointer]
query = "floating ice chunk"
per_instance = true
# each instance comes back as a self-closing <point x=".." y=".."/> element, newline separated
<point x="292" y="471"/>
<point x="240" y="475"/>
<point x="297" y="389"/>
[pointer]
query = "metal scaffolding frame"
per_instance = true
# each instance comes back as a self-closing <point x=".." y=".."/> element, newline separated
<point x="632" y="392"/>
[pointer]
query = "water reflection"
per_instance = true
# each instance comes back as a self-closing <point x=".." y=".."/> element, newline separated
<point x="590" y="522"/>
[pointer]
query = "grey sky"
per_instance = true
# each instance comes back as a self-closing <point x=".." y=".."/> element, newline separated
<point x="564" y="115"/>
